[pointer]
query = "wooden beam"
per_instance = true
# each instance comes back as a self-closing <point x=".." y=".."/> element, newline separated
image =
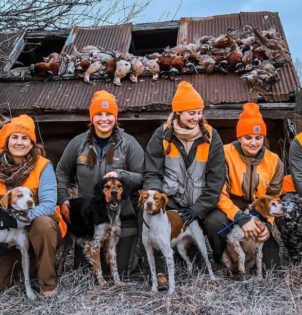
<point x="209" y="113"/>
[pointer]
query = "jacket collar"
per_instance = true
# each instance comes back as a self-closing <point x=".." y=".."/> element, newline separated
<point x="249" y="160"/>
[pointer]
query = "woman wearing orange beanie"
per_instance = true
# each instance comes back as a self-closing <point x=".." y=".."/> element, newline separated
<point x="102" y="151"/>
<point x="22" y="163"/>
<point x="184" y="158"/>
<point x="252" y="171"/>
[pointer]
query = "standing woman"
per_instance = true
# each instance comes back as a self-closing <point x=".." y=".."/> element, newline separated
<point x="184" y="158"/>
<point x="104" y="150"/>
<point x="252" y="171"/>
<point x="22" y="163"/>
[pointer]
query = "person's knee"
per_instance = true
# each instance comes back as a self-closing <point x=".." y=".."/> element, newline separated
<point x="214" y="221"/>
<point x="43" y="226"/>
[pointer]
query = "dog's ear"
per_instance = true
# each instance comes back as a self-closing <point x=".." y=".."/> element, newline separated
<point x="6" y="199"/>
<point x="141" y="197"/>
<point x="126" y="191"/>
<point x="164" y="200"/>
<point x="261" y="205"/>
<point x="98" y="190"/>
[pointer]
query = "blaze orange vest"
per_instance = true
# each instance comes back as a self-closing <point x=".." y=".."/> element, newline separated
<point x="32" y="182"/>
<point x="236" y="169"/>
<point x="288" y="183"/>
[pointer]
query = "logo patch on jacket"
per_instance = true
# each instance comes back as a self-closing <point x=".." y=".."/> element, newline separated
<point x="82" y="158"/>
<point x="256" y="129"/>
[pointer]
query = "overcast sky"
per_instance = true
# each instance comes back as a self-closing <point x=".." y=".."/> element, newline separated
<point x="289" y="11"/>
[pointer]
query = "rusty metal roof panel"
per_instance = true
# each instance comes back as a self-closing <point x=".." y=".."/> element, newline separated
<point x="114" y="37"/>
<point x="213" y="25"/>
<point x="73" y="95"/>
<point x="233" y="88"/>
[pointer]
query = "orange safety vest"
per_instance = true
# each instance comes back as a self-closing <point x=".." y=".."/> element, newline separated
<point x="236" y="169"/>
<point x="288" y="183"/>
<point x="32" y="182"/>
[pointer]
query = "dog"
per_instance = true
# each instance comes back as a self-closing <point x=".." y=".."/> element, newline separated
<point x="96" y="223"/>
<point x="164" y="230"/>
<point x="15" y="205"/>
<point x="241" y="254"/>
<point x="290" y="226"/>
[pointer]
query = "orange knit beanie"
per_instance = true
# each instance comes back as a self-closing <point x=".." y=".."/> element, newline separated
<point x="21" y="124"/>
<point x="250" y="121"/>
<point x="103" y="101"/>
<point x="186" y="98"/>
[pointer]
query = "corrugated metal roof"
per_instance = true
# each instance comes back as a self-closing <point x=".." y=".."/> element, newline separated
<point x="215" y="25"/>
<point x="115" y="37"/>
<point x="75" y="95"/>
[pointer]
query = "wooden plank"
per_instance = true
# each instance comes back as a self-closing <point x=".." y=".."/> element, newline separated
<point x="218" y="114"/>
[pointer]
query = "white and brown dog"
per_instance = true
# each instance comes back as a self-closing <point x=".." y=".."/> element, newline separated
<point x="241" y="254"/>
<point x="14" y="208"/>
<point x="164" y="230"/>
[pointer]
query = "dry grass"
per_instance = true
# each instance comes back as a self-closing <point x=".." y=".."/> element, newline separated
<point x="280" y="292"/>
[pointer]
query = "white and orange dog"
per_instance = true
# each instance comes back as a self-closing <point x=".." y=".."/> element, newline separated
<point x="164" y="230"/>
<point x="242" y="254"/>
<point x="14" y="208"/>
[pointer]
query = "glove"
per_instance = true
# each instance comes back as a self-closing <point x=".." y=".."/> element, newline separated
<point x="64" y="208"/>
<point x="188" y="215"/>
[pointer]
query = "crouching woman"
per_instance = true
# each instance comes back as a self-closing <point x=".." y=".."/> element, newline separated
<point x="252" y="171"/>
<point x="184" y="158"/>
<point x="22" y="163"/>
<point x="104" y="150"/>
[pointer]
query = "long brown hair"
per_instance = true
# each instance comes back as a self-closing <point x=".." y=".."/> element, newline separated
<point x="204" y="132"/>
<point x="92" y="157"/>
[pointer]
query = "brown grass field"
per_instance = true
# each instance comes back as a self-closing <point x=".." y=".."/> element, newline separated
<point x="280" y="292"/>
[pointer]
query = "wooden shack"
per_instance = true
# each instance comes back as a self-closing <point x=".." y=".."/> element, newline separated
<point x="60" y="105"/>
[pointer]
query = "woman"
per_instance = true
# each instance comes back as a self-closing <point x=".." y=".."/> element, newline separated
<point x="295" y="162"/>
<point x="184" y="158"/>
<point x="104" y="150"/>
<point x="22" y="163"/>
<point x="252" y="171"/>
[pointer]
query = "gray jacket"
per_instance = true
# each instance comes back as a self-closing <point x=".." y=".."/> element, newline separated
<point x="211" y="178"/>
<point x="295" y="163"/>
<point x="128" y="162"/>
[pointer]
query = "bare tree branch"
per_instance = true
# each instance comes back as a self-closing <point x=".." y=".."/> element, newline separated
<point x="58" y="14"/>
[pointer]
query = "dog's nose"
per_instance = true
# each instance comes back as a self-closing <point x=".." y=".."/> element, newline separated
<point x="149" y="204"/>
<point x="30" y="203"/>
<point x="114" y="192"/>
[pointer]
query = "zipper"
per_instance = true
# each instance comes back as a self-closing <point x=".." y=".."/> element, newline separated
<point x="251" y="184"/>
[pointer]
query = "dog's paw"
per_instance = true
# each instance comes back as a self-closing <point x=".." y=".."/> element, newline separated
<point x="154" y="290"/>
<point x="31" y="295"/>
<point x="102" y="283"/>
